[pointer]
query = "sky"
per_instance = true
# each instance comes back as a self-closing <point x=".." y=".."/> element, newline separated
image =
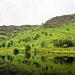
<point x="33" y="12"/>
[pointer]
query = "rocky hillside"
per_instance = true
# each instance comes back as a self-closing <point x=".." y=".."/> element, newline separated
<point x="59" y="20"/>
<point x="12" y="28"/>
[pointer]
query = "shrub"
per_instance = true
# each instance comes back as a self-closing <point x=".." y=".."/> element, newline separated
<point x="45" y="33"/>
<point x="28" y="47"/>
<point x="11" y="42"/>
<point x="32" y="29"/>
<point x="32" y="45"/>
<point x="35" y="38"/>
<point x="68" y="29"/>
<point x="16" y="51"/>
<point x="27" y="39"/>
<point x="37" y="43"/>
<point x="8" y="57"/>
<point x="2" y="44"/>
<point x="3" y="57"/>
<point x="42" y="32"/>
<point x="22" y="39"/>
<point x="60" y="42"/>
<point x="65" y="46"/>
<point x="43" y="43"/>
<point x="38" y="35"/>
<point x="50" y="34"/>
<point x="27" y="55"/>
<point x="8" y="44"/>
<point x="19" y="41"/>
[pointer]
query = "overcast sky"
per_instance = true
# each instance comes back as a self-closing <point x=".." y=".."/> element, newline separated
<point x="21" y="12"/>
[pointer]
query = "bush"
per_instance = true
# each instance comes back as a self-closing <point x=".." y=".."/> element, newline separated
<point x="35" y="38"/>
<point x="68" y="29"/>
<point x="32" y="45"/>
<point x="38" y="35"/>
<point x="2" y="44"/>
<point x="22" y="39"/>
<point x="8" y="57"/>
<point x="27" y="39"/>
<point x="45" y="33"/>
<point x="19" y="41"/>
<point x="16" y="51"/>
<point x="60" y="42"/>
<point x="11" y="42"/>
<point x="28" y="47"/>
<point x="8" y="44"/>
<point x="42" y="32"/>
<point x="43" y="43"/>
<point x="50" y="34"/>
<point x="65" y="46"/>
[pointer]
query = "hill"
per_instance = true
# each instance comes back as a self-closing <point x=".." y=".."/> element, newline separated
<point x="60" y="37"/>
<point x="7" y="32"/>
<point x="59" y="20"/>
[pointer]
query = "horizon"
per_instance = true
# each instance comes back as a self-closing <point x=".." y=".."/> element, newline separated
<point x="34" y="24"/>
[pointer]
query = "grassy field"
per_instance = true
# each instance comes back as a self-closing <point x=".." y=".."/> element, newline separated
<point x="56" y="32"/>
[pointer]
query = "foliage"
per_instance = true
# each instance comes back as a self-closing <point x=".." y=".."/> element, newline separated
<point x="45" y="33"/>
<point x="50" y="34"/>
<point x="3" y="44"/>
<point x="28" y="47"/>
<point x="27" y="39"/>
<point x="43" y="43"/>
<point x="65" y="46"/>
<point x="8" y="44"/>
<point x="63" y="41"/>
<point x="16" y="51"/>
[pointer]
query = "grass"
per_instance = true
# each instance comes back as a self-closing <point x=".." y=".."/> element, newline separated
<point x="57" y="32"/>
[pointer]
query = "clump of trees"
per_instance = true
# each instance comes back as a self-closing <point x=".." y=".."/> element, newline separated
<point x="63" y="42"/>
<point x="9" y="43"/>
<point x="26" y="39"/>
<point x="36" y="37"/>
